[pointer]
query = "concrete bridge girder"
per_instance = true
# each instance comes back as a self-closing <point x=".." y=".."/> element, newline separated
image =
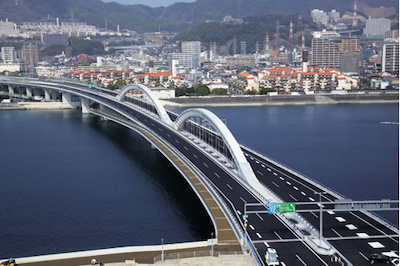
<point x="159" y="107"/>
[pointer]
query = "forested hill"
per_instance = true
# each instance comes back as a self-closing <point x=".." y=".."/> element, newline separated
<point x="176" y="17"/>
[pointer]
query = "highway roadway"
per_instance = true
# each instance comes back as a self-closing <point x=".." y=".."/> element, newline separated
<point x="354" y="234"/>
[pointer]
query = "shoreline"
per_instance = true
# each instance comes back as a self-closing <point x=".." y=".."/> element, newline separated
<point x="239" y="101"/>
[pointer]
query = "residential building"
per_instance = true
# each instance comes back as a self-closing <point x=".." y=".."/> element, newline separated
<point x="376" y="27"/>
<point x="8" y="28"/>
<point x="390" y="58"/>
<point x="7" y="54"/>
<point x="325" y="53"/>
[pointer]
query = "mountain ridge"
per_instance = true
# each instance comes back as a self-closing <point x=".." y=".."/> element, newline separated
<point x="176" y="17"/>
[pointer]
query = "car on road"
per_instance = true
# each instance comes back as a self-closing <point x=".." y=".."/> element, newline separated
<point x="378" y="258"/>
<point x="9" y="262"/>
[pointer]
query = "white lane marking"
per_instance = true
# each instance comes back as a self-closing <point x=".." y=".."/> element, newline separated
<point x="265" y="243"/>
<point x="269" y="170"/>
<point x="252" y="227"/>
<point x="258" y="234"/>
<point x="296" y="188"/>
<point x="302" y="193"/>
<point x="336" y="232"/>
<point x="277" y="235"/>
<point x="177" y="141"/>
<point x="362" y="255"/>
<point x="259" y="216"/>
<point x="351" y="227"/>
<point x="292" y="197"/>
<point x="331" y="212"/>
<point x="316" y="216"/>
<point x="231" y="188"/>
<point x="205" y="165"/>
<point x="263" y="166"/>
<point x="275" y="184"/>
<point x="238" y="212"/>
<point x="287" y="182"/>
<point x="362" y="235"/>
<point x="257" y="162"/>
<point x="243" y="200"/>
<point x="195" y="156"/>
<point x="186" y="148"/>
<point x="396" y="240"/>
<point x="283" y="264"/>
<point x="281" y="178"/>
<point x="340" y="219"/>
<point x="312" y="199"/>
<point x="302" y="261"/>
<point x="275" y="173"/>
<point x="168" y="135"/>
<point x="376" y="244"/>
<point x="217" y="175"/>
<point x="251" y="157"/>
<point x="260" y="173"/>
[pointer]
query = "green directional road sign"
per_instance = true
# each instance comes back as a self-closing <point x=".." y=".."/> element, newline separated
<point x="286" y="207"/>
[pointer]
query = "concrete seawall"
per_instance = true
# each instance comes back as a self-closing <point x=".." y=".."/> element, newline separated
<point x="264" y="100"/>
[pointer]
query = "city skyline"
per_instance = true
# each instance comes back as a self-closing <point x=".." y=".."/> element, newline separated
<point x="151" y="3"/>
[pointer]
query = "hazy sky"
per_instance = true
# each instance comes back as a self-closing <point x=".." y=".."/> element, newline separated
<point x="152" y="3"/>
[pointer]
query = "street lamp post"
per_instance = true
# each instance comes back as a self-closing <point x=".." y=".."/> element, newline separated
<point x="162" y="249"/>
<point x="212" y="244"/>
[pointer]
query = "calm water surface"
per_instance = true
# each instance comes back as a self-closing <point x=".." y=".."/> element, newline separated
<point x="71" y="182"/>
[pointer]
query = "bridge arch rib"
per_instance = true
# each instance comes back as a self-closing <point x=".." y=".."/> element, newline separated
<point x="161" y="112"/>
<point x="235" y="152"/>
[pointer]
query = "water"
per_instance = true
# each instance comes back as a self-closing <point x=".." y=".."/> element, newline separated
<point x="71" y="182"/>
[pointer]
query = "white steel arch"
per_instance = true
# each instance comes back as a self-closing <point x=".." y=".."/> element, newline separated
<point x="244" y="169"/>
<point x="159" y="107"/>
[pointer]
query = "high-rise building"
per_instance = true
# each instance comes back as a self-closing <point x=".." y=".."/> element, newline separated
<point x="191" y="51"/>
<point x="30" y="54"/>
<point x="390" y="58"/>
<point x="377" y="27"/>
<point x="7" y="28"/>
<point x="325" y="53"/>
<point x="7" y="54"/>
<point x="350" y="45"/>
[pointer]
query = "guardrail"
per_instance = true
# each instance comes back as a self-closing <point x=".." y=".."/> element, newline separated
<point x="197" y="254"/>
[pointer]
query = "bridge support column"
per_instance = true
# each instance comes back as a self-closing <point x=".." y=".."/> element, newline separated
<point x="47" y="95"/>
<point x="67" y="99"/>
<point x="54" y="95"/>
<point x="85" y="104"/>
<point x="29" y="92"/>
<point x="11" y="90"/>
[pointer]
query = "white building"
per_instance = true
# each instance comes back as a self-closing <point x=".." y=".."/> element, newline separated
<point x="390" y="58"/>
<point x="8" y="28"/>
<point x="7" y="54"/>
<point x="319" y="16"/>
<point x="190" y="56"/>
<point x="376" y="26"/>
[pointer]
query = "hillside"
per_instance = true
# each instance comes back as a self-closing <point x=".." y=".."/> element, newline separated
<point x="177" y="17"/>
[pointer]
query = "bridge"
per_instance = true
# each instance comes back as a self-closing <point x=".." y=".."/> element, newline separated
<point x="236" y="184"/>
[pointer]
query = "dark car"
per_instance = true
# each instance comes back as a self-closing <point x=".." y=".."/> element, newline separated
<point x="9" y="262"/>
<point x="378" y="258"/>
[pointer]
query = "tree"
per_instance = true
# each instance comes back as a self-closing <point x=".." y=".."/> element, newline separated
<point x="264" y="91"/>
<point x="116" y="85"/>
<point x="202" y="90"/>
<point x="219" y="91"/>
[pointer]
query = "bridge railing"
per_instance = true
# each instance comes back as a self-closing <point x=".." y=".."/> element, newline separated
<point x="233" y="219"/>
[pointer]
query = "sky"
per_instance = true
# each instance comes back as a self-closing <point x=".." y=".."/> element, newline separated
<point x="152" y="3"/>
